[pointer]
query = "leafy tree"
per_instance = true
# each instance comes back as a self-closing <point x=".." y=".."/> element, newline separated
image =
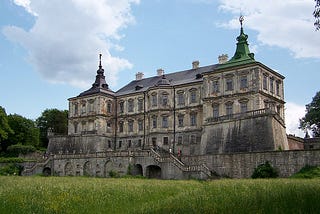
<point x="316" y="15"/>
<point x="53" y="120"/>
<point x="5" y="129"/>
<point x="25" y="131"/>
<point x="312" y="118"/>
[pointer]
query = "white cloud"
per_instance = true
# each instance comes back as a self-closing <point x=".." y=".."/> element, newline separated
<point x="293" y="113"/>
<point x="286" y="24"/>
<point x="64" y="43"/>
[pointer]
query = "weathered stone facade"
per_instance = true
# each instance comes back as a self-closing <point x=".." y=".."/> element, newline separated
<point x="178" y="125"/>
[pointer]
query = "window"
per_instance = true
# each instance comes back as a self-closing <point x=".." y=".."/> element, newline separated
<point x="278" y="88"/>
<point x="130" y="105"/>
<point x="164" y="99"/>
<point x="243" y="107"/>
<point x="215" y="86"/>
<point x="109" y="107"/>
<point x="140" y="105"/>
<point x="130" y="126"/>
<point x="76" y="108"/>
<point x="75" y="127"/>
<point x="139" y="143"/>
<point x="121" y="127"/>
<point x="180" y="99"/>
<point x="271" y="84"/>
<point x="120" y="143"/>
<point x="108" y="126"/>
<point x="215" y="110"/>
<point x="165" y="140"/>
<point x="154" y="100"/>
<point x="91" y="105"/>
<point x="164" y="121"/>
<point x="140" y="125"/>
<point x="154" y="141"/>
<point x="278" y="109"/>
<point x="154" y="122"/>
<point x="83" y="108"/>
<point x="193" y="96"/>
<point x="180" y="120"/>
<point x="243" y="82"/>
<point x="109" y="144"/>
<point x="265" y="82"/>
<point x="121" y="107"/>
<point x="179" y="139"/>
<point x="129" y="143"/>
<point x="192" y="139"/>
<point x="193" y="119"/>
<point x="229" y="108"/>
<point x="229" y="84"/>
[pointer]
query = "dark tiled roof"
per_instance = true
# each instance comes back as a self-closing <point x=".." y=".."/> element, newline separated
<point x="176" y="78"/>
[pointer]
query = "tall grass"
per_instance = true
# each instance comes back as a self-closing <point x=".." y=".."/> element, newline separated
<point x="98" y="195"/>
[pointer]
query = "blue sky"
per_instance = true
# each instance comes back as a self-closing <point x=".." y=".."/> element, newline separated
<point x="49" y="49"/>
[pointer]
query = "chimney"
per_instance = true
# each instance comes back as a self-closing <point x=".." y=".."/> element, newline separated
<point x="223" y="58"/>
<point x="160" y="72"/>
<point x="139" y="76"/>
<point x="195" y="64"/>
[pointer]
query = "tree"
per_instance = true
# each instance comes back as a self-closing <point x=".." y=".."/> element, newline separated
<point x="53" y="120"/>
<point x="316" y="15"/>
<point x="25" y="131"/>
<point x="5" y="129"/>
<point x="312" y="118"/>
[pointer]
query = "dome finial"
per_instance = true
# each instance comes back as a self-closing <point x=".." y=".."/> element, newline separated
<point x="241" y="19"/>
<point x="100" y="66"/>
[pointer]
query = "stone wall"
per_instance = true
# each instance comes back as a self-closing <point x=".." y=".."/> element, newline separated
<point x="241" y="165"/>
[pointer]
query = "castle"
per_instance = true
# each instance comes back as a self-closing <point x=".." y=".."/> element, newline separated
<point x="177" y="125"/>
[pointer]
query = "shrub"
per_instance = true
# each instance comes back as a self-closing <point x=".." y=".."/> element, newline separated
<point x="308" y="172"/>
<point x="11" y="169"/>
<point x="11" y="160"/>
<point x="114" y="174"/>
<point x="264" y="171"/>
<point x="17" y="149"/>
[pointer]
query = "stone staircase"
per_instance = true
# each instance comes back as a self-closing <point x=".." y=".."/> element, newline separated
<point x="36" y="168"/>
<point x="166" y="157"/>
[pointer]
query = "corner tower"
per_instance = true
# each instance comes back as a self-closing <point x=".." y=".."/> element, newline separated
<point x="243" y="105"/>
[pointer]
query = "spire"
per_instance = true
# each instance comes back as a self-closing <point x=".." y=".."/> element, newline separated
<point x="242" y="54"/>
<point x="100" y="78"/>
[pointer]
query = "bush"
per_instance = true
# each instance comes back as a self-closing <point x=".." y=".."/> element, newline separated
<point x="114" y="174"/>
<point x="17" y="149"/>
<point x="11" y="169"/>
<point x="308" y="172"/>
<point x="264" y="171"/>
<point x="11" y="160"/>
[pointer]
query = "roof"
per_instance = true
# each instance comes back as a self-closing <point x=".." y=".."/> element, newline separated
<point x="171" y="79"/>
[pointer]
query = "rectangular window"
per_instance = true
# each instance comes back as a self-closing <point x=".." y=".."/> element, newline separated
<point x="229" y="109"/>
<point x="229" y="84"/>
<point x="180" y="120"/>
<point x="215" y="86"/>
<point x="278" y="88"/>
<point x="180" y="99"/>
<point x="130" y="106"/>
<point x="179" y="139"/>
<point x="140" y="105"/>
<point x="139" y="143"/>
<point x="130" y="126"/>
<point x="164" y="99"/>
<point x="121" y="107"/>
<point x="243" y="107"/>
<point x="121" y="127"/>
<point x="154" y="141"/>
<point x="271" y="85"/>
<point x="243" y="82"/>
<point x="154" y="100"/>
<point x="109" y="144"/>
<point x="165" y="140"/>
<point x="109" y="127"/>
<point x="109" y="107"/>
<point x="129" y="143"/>
<point x="192" y="139"/>
<point x="120" y="143"/>
<point x="193" y="119"/>
<point x="83" y="108"/>
<point x="216" y="111"/>
<point x="265" y="82"/>
<point x="140" y="125"/>
<point x="76" y="108"/>
<point x="164" y="121"/>
<point x="193" y="96"/>
<point x="154" y="122"/>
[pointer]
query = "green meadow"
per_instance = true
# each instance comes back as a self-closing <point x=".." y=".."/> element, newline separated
<point x="129" y="195"/>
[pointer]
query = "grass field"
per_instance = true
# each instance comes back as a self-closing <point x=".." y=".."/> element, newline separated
<point x="99" y="195"/>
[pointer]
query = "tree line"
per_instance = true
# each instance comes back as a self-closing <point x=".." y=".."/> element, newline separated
<point x="17" y="131"/>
